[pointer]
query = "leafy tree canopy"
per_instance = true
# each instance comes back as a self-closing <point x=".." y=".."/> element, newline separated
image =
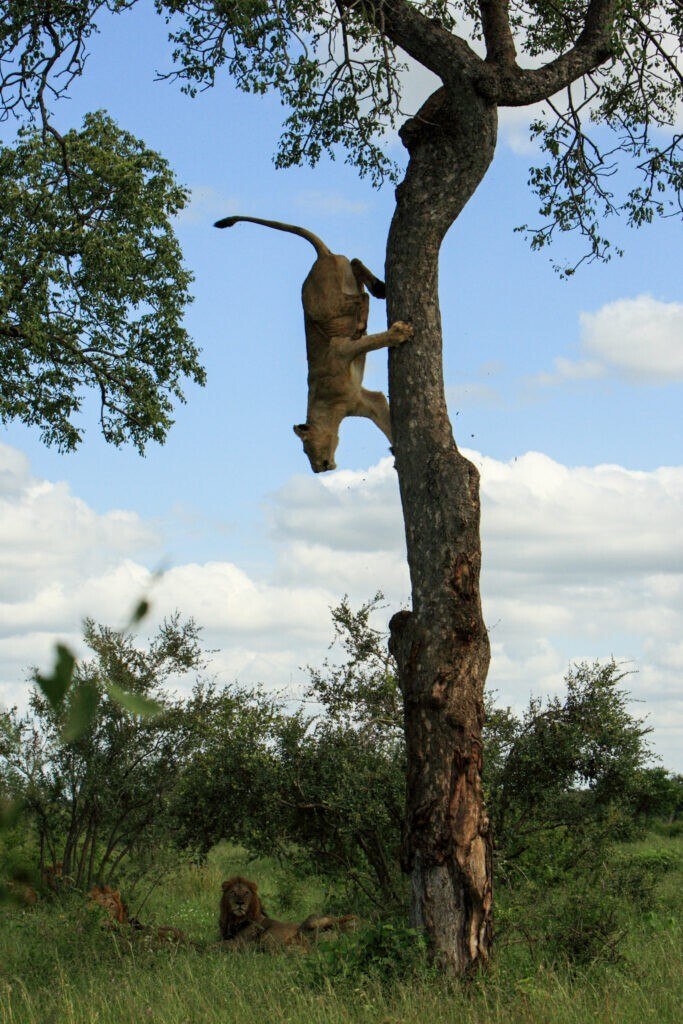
<point x="92" y="287"/>
<point x="340" y="68"/>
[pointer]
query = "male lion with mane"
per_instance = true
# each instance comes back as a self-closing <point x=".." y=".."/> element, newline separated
<point x="244" y="921"/>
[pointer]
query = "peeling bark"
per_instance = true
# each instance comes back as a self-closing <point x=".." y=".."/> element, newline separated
<point x="441" y="647"/>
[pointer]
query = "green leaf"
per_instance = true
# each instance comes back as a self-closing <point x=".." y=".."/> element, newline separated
<point x="133" y="702"/>
<point x="82" y="711"/>
<point x="140" y="611"/>
<point x="56" y="685"/>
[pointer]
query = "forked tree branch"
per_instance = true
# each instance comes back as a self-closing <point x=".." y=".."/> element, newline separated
<point x="499" y="78"/>
<point x="519" y="87"/>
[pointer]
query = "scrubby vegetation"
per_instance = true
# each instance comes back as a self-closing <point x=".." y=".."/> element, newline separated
<point x="57" y="963"/>
<point x="309" y="804"/>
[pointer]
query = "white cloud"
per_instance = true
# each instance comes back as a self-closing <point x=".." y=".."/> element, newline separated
<point x="568" y="370"/>
<point x="639" y="340"/>
<point x="579" y="562"/>
<point x="50" y="534"/>
<point x="514" y="124"/>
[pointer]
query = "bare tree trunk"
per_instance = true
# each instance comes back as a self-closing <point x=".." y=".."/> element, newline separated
<point x="441" y="647"/>
<point x="84" y="853"/>
<point x="41" y="862"/>
<point x="91" y="862"/>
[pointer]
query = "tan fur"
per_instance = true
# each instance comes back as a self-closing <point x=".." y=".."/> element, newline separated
<point x="161" y="934"/>
<point x="110" y="900"/>
<point x="243" y="920"/>
<point x="336" y="308"/>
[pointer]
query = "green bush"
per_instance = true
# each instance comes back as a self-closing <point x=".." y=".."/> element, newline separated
<point x="668" y="829"/>
<point x="382" y="953"/>
<point x="583" y="916"/>
<point x="656" y="861"/>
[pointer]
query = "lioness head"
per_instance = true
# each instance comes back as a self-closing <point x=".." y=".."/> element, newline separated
<point x="110" y="900"/>
<point x="320" y="445"/>
<point x="240" y="898"/>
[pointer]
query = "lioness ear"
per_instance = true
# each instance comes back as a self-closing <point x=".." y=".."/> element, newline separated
<point x="300" y="429"/>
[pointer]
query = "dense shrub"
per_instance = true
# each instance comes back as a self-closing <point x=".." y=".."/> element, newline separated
<point x="385" y="952"/>
<point x="95" y="800"/>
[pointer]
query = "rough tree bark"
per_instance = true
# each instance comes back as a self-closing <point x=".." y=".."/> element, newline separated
<point x="441" y="647"/>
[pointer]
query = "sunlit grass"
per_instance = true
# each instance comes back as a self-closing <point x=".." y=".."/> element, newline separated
<point x="58" y="965"/>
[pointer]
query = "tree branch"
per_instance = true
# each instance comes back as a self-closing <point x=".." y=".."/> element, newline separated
<point x="495" y="21"/>
<point x="426" y="40"/>
<point x="518" y="87"/>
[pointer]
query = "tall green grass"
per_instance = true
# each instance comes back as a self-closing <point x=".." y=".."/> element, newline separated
<point x="57" y="964"/>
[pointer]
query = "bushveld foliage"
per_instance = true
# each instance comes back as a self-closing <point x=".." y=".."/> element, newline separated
<point x="96" y="799"/>
<point x="321" y="788"/>
<point x="92" y="287"/>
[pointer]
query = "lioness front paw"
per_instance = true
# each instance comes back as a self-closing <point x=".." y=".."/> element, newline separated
<point x="400" y="332"/>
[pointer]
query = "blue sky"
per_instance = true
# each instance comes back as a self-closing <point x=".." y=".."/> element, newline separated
<point x="583" y="552"/>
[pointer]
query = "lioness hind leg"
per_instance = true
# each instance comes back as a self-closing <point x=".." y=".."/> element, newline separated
<point x="366" y="277"/>
<point x="374" y="406"/>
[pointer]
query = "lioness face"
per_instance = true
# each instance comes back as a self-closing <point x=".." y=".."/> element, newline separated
<point x="239" y="897"/>
<point x="319" y="444"/>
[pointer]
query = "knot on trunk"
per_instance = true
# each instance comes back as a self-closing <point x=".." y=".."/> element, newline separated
<point x="432" y="116"/>
<point x="465" y="577"/>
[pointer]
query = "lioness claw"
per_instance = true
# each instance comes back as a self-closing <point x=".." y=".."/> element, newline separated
<point x="400" y="332"/>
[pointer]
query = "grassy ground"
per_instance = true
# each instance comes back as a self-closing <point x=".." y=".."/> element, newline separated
<point x="57" y="964"/>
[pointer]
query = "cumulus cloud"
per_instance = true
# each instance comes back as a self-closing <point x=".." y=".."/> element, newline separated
<point x="639" y="340"/>
<point x="61" y="561"/>
<point x="579" y="562"/>
<point x="50" y="534"/>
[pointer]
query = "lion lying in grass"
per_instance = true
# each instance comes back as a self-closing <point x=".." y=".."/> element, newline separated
<point x="110" y="901"/>
<point x="117" y="914"/>
<point x="244" y="921"/>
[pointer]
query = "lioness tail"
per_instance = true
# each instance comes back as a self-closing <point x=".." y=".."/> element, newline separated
<point x="319" y="246"/>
